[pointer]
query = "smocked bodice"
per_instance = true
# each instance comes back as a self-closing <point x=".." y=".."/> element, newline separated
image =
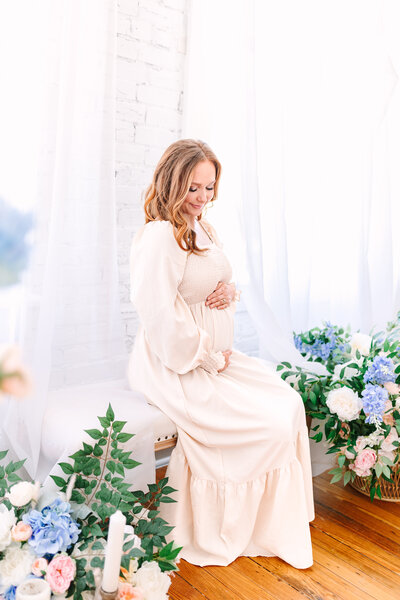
<point x="202" y="274"/>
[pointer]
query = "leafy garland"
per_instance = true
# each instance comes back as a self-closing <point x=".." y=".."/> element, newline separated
<point x="96" y="476"/>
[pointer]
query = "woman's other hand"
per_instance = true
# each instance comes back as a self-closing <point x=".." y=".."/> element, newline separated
<point x="227" y="355"/>
<point x="222" y="296"/>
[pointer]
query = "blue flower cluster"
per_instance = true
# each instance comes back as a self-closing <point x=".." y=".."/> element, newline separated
<point x="323" y="346"/>
<point x="381" y="370"/>
<point x="10" y="593"/>
<point x="374" y="400"/>
<point x="14" y="225"/>
<point x="53" y="529"/>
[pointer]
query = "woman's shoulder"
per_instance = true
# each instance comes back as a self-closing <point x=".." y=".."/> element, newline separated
<point x="158" y="236"/>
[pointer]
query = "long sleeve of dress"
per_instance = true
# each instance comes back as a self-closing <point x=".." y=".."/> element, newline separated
<point x="157" y="265"/>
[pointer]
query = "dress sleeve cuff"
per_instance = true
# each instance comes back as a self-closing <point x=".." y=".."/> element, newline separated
<point x="213" y="362"/>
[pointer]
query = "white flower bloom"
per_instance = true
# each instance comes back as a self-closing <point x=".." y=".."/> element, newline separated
<point x="16" y="565"/>
<point x="360" y="342"/>
<point x="21" y="493"/>
<point x="7" y="521"/>
<point x="345" y="403"/>
<point x="387" y="443"/>
<point x="153" y="581"/>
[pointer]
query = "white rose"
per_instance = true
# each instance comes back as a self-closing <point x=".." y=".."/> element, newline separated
<point x="16" y="565"/>
<point x="21" y="493"/>
<point x="348" y="371"/>
<point x="345" y="403"/>
<point x="360" y="342"/>
<point x="7" y="521"/>
<point x="153" y="581"/>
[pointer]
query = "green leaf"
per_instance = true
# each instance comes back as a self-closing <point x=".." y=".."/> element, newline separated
<point x="104" y="422"/>
<point x="3" y="454"/>
<point x="97" y="562"/>
<point x="118" y="426"/>
<point x="110" y="413"/>
<point x="336" y="478"/>
<point x="347" y="477"/>
<point x="167" y="499"/>
<point x="130" y="464"/>
<point x="124" y="437"/>
<point x="66" y="467"/>
<point x="341" y="460"/>
<point x="94" y="433"/>
<point x="378" y="469"/>
<point x="59" y="481"/>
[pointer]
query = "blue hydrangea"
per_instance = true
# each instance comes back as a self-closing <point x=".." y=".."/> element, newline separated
<point x="14" y="225"/>
<point x="319" y="347"/>
<point x="381" y="370"/>
<point x="9" y="594"/>
<point x="374" y="400"/>
<point x="53" y="529"/>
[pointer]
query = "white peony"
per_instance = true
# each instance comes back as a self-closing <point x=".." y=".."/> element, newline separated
<point x="16" y="565"/>
<point x="387" y="448"/>
<point x="21" y="493"/>
<point x="345" y="403"/>
<point x="360" y="342"/>
<point x="7" y="521"/>
<point x="153" y="581"/>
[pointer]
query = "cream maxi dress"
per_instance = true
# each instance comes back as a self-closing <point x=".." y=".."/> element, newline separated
<point x="242" y="462"/>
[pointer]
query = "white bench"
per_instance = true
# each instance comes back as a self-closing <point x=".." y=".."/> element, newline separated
<point x="72" y="409"/>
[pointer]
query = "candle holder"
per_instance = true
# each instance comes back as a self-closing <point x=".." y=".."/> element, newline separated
<point x="108" y="595"/>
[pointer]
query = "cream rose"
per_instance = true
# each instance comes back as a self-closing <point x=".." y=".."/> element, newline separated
<point x="153" y="581"/>
<point x="7" y="521"/>
<point x="360" y="342"/>
<point x="16" y="565"/>
<point x="20" y="382"/>
<point x="21" y="493"/>
<point x="345" y="403"/>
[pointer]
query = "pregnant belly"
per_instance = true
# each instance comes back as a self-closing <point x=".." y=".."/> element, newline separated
<point x="217" y="323"/>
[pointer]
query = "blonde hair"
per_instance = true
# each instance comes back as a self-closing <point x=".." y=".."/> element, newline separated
<point x="167" y="192"/>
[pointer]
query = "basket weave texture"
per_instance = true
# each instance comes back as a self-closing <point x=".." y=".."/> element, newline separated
<point x="390" y="491"/>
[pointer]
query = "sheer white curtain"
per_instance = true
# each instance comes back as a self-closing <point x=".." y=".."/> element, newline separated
<point x="57" y="149"/>
<point x="301" y="102"/>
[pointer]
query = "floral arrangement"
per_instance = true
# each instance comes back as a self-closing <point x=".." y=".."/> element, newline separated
<point x="14" y="225"/>
<point x="60" y="536"/>
<point x="358" y="399"/>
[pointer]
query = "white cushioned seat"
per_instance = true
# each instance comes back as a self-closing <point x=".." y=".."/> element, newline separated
<point x="72" y="409"/>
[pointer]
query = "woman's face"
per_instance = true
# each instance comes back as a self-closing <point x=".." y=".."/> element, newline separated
<point x="201" y="189"/>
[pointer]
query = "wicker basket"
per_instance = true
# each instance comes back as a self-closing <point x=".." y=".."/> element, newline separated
<point x="390" y="491"/>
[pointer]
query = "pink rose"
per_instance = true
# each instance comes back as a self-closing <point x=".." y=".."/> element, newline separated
<point x="38" y="566"/>
<point x="126" y="591"/>
<point x="392" y="388"/>
<point x="388" y="418"/>
<point x="21" y="532"/>
<point x="60" y="573"/>
<point x="364" y="462"/>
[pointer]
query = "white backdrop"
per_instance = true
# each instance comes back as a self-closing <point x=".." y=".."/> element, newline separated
<point x="58" y="158"/>
<point x="301" y="102"/>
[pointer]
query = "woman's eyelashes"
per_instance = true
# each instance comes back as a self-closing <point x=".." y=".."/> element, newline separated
<point x="207" y="188"/>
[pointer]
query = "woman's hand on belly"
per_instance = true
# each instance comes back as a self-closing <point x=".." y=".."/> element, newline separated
<point x="222" y="296"/>
<point x="227" y="355"/>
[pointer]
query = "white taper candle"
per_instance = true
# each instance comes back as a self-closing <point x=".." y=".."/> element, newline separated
<point x="112" y="562"/>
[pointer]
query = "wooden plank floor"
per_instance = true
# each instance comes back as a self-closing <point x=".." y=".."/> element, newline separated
<point x="356" y="548"/>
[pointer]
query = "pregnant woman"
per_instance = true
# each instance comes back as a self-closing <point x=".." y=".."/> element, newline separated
<point x="242" y="461"/>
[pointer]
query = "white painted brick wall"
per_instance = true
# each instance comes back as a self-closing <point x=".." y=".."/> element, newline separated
<point x="151" y="48"/>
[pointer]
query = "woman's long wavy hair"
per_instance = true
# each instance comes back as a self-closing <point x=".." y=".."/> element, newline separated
<point x="167" y="192"/>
